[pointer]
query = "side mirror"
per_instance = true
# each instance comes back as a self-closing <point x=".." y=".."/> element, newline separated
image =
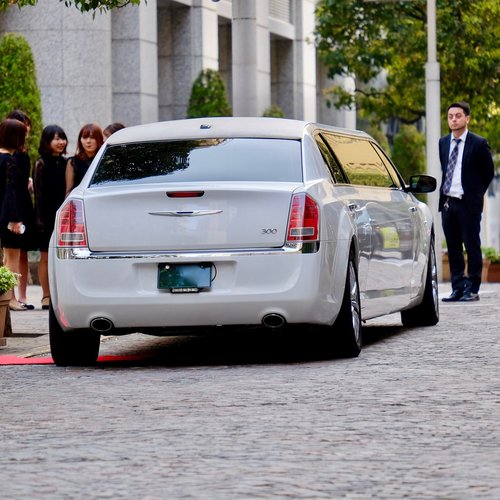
<point x="420" y="184"/>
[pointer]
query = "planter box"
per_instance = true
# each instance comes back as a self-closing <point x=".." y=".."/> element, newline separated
<point x="4" y="309"/>
<point x="446" y="268"/>
<point x="493" y="273"/>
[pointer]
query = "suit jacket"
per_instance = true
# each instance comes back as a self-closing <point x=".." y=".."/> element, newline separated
<point x="477" y="169"/>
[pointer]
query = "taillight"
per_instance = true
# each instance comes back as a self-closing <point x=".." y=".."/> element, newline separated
<point x="71" y="225"/>
<point x="185" y="194"/>
<point x="303" y="224"/>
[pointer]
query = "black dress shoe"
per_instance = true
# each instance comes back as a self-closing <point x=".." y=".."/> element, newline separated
<point x="469" y="297"/>
<point x="455" y="296"/>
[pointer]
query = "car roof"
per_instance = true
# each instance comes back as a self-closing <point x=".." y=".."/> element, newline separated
<point x="216" y="127"/>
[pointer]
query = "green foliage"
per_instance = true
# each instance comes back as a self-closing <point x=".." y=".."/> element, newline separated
<point x="492" y="254"/>
<point x="408" y="152"/>
<point x="274" y="111"/>
<point x="491" y="130"/>
<point x="8" y="279"/>
<point x="386" y="42"/>
<point x="18" y="86"/>
<point x="208" y="96"/>
<point x="82" y="5"/>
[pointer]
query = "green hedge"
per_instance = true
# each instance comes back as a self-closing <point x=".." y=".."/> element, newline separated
<point x="273" y="111"/>
<point x="18" y="86"/>
<point x="408" y="152"/>
<point x="208" y="96"/>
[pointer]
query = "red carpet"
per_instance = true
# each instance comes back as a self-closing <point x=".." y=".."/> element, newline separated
<point x="16" y="360"/>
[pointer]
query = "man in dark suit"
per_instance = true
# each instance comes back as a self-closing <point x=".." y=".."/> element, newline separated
<point x="467" y="168"/>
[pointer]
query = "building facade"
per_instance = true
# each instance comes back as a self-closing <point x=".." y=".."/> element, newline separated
<point x="137" y="64"/>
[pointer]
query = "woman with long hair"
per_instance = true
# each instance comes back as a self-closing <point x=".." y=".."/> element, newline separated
<point x="49" y="182"/>
<point x="28" y="239"/>
<point x="12" y="139"/>
<point x="90" y="139"/>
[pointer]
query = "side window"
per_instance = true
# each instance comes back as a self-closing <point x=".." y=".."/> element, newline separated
<point x="359" y="161"/>
<point x="330" y="161"/>
<point x="396" y="177"/>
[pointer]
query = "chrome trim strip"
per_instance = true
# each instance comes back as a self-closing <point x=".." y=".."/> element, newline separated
<point x="86" y="254"/>
<point x="186" y="213"/>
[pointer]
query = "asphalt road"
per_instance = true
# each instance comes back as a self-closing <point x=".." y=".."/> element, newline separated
<point x="416" y="416"/>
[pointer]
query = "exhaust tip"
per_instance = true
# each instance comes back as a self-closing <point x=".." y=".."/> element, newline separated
<point x="273" y="320"/>
<point x="101" y="325"/>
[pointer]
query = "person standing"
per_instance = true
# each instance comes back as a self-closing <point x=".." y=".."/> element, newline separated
<point x="12" y="138"/>
<point x="28" y="238"/>
<point x="111" y="129"/>
<point x="90" y="139"/>
<point x="49" y="183"/>
<point x="467" y="170"/>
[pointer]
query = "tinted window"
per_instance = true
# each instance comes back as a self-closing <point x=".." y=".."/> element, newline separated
<point x="389" y="166"/>
<point x="359" y="161"/>
<point x="330" y="161"/>
<point x="272" y="160"/>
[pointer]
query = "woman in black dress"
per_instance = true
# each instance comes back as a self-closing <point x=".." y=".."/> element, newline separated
<point x="12" y="138"/>
<point x="49" y="182"/>
<point x="90" y="139"/>
<point x="28" y="239"/>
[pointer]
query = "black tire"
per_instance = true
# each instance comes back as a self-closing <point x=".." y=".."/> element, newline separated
<point x="427" y="312"/>
<point x="347" y="327"/>
<point x="77" y="348"/>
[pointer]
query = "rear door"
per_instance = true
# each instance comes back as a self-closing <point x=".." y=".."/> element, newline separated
<point x="384" y="223"/>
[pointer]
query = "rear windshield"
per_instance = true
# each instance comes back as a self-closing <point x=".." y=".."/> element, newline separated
<point x="271" y="160"/>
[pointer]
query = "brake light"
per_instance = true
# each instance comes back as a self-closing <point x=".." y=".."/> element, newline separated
<point x="71" y="230"/>
<point x="185" y="194"/>
<point x="303" y="223"/>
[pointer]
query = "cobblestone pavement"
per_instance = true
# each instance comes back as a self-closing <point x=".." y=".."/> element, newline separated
<point x="416" y="416"/>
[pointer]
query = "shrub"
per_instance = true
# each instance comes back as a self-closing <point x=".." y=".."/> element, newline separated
<point x="8" y="279"/>
<point x="208" y="96"/>
<point x="408" y="153"/>
<point x="18" y="86"/>
<point x="274" y="111"/>
<point x="492" y="254"/>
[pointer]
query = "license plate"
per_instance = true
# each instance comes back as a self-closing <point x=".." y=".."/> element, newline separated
<point x="184" y="278"/>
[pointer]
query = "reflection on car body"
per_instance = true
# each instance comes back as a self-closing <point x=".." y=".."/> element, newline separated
<point x="222" y="222"/>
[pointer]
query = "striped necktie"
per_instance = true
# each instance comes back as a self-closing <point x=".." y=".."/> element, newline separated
<point x="452" y="163"/>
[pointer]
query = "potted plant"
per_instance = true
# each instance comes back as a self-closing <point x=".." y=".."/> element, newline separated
<point x="8" y="280"/>
<point x="493" y="256"/>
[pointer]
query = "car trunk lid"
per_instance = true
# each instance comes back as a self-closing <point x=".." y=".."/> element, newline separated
<point x="196" y="217"/>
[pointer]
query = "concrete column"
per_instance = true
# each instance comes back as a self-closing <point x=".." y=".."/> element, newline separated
<point x="135" y="64"/>
<point x="226" y="57"/>
<point x="283" y="85"/>
<point x="175" y="67"/>
<point x="72" y="53"/>
<point x="204" y="36"/>
<point x="251" y="57"/>
<point x="344" y="117"/>
<point x="187" y="43"/>
<point x="305" y="61"/>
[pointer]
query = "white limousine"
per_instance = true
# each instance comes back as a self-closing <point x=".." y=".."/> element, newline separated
<point x="192" y="225"/>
